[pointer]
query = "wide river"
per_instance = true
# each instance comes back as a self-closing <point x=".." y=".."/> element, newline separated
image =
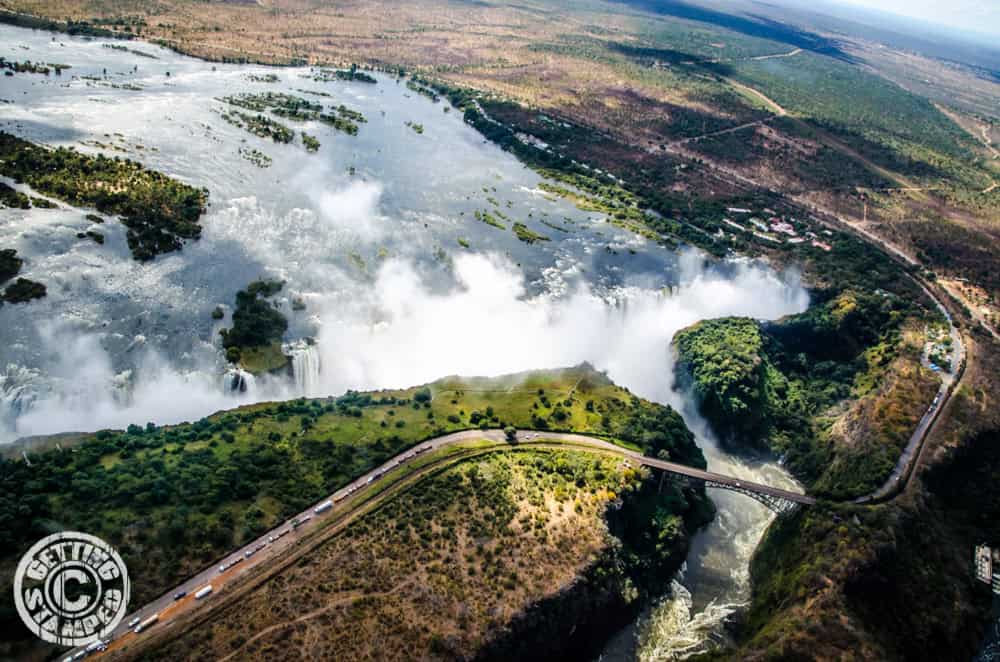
<point x="376" y="236"/>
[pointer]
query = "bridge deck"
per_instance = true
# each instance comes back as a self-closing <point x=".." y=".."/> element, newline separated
<point x="672" y="467"/>
<point x="726" y="480"/>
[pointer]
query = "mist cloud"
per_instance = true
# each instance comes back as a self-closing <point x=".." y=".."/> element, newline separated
<point x="401" y="331"/>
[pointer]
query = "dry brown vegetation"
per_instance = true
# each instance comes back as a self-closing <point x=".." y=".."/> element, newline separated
<point x="891" y="582"/>
<point x="647" y="80"/>
<point x="877" y="427"/>
<point x="436" y="573"/>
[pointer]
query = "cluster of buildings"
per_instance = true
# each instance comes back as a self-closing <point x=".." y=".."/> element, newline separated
<point x="775" y="229"/>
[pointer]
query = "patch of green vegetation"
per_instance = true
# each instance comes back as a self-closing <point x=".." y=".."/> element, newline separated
<point x="295" y="108"/>
<point x="42" y="203"/>
<point x="549" y="224"/>
<point x="262" y="359"/>
<point x="97" y="237"/>
<point x="256" y="157"/>
<point x="11" y="197"/>
<point x="133" y="51"/>
<point x="417" y="85"/>
<point x="525" y="234"/>
<point x="23" y="290"/>
<point x="260" y="125"/>
<point x="419" y="128"/>
<point x="158" y="211"/>
<point x="178" y="497"/>
<point x="489" y="219"/>
<point x="769" y="386"/>
<point x="32" y="67"/>
<point x="258" y="327"/>
<point x="81" y="28"/>
<point x="313" y="92"/>
<point x="310" y="142"/>
<point x="352" y="74"/>
<point x="262" y="78"/>
<point x="285" y="105"/>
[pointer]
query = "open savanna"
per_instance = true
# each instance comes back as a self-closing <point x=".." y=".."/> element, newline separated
<point x="174" y="499"/>
<point x="440" y="572"/>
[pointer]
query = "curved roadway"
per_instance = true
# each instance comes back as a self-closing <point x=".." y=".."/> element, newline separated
<point x="280" y="539"/>
<point x="267" y="547"/>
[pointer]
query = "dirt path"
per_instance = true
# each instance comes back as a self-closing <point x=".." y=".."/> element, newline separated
<point x="346" y="598"/>
<point x="732" y="129"/>
<point x="769" y="102"/>
<point x="776" y="55"/>
<point x="985" y="139"/>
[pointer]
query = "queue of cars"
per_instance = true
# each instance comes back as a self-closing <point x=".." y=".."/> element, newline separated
<point x="136" y="625"/>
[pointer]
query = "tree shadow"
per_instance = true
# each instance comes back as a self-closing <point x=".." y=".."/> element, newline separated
<point x="650" y="56"/>
<point x="751" y="25"/>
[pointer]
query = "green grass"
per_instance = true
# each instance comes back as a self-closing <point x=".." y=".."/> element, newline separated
<point x="260" y="360"/>
<point x="174" y="499"/>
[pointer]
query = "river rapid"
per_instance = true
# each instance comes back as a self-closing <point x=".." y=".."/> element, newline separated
<point x="376" y="235"/>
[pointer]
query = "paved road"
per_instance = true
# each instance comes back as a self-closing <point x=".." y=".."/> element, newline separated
<point x="237" y="563"/>
<point x="906" y="462"/>
<point x="911" y="455"/>
<point x="281" y="538"/>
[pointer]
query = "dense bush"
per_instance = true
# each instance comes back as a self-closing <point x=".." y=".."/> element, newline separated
<point x="256" y="321"/>
<point x="763" y="386"/>
<point x="159" y="212"/>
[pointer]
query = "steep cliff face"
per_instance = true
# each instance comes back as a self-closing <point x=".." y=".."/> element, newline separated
<point x="650" y="532"/>
<point x="893" y="581"/>
<point x="834" y="391"/>
<point x="887" y="583"/>
<point x="722" y="361"/>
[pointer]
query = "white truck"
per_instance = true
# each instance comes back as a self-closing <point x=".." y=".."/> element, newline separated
<point x="323" y="507"/>
<point x="202" y="592"/>
<point x="148" y="623"/>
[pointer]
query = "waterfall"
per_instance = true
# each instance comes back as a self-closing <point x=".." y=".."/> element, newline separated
<point x="239" y="382"/>
<point x="121" y="388"/>
<point x="19" y="389"/>
<point x="305" y="366"/>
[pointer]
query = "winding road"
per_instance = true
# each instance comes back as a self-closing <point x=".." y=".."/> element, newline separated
<point x="352" y="500"/>
<point x="356" y="497"/>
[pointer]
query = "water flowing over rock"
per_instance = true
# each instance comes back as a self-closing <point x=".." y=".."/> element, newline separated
<point x="239" y="381"/>
<point x="19" y="390"/>
<point x="305" y="366"/>
<point x="121" y="388"/>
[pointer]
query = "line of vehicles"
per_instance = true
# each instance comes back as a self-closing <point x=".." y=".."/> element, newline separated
<point x="93" y="647"/>
<point x="138" y="625"/>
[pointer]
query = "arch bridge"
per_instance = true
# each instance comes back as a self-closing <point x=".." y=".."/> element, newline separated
<point x="775" y="499"/>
